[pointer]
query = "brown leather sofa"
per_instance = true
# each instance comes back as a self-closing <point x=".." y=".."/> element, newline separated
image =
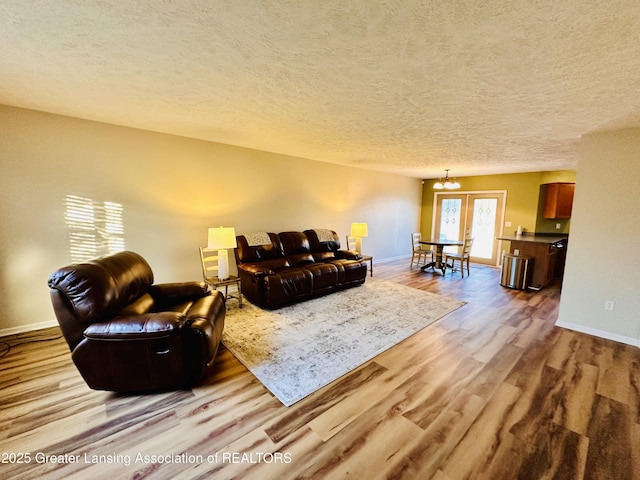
<point x="127" y="334"/>
<point x="289" y="267"/>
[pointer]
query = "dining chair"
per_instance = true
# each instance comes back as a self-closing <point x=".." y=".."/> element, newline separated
<point x="420" y="255"/>
<point x="462" y="256"/>
<point x="351" y="243"/>
<point x="210" y="268"/>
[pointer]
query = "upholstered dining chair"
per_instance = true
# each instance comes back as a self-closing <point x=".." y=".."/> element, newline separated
<point x="462" y="257"/>
<point x="420" y="255"/>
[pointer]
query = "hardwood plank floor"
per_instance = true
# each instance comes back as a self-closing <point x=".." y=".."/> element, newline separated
<point x="492" y="391"/>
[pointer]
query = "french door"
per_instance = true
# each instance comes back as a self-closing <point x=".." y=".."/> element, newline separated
<point x="476" y="214"/>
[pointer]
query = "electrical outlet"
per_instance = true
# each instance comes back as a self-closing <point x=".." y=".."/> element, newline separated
<point x="558" y="226"/>
<point x="507" y="224"/>
<point x="516" y="251"/>
<point x="608" y="305"/>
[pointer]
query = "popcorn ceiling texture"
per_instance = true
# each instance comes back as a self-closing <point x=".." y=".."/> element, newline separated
<point x="405" y="86"/>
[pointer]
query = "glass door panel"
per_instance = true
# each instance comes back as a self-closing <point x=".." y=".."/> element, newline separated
<point x="450" y="218"/>
<point x="483" y="224"/>
<point x="478" y="215"/>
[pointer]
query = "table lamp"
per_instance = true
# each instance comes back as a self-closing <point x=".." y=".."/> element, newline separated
<point x="221" y="239"/>
<point x="359" y="230"/>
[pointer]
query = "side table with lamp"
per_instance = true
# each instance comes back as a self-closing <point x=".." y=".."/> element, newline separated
<point x="215" y="261"/>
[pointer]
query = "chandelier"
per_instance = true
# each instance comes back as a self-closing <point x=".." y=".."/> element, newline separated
<point x="446" y="182"/>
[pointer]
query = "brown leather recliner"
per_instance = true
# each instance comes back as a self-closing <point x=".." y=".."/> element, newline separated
<point x="127" y="334"/>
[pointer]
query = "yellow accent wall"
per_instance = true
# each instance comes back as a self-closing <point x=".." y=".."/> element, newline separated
<point x="524" y="199"/>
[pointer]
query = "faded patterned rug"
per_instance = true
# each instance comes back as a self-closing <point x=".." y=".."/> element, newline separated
<point x="299" y="349"/>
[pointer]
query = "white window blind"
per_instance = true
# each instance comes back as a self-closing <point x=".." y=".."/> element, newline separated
<point x="95" y="228"/>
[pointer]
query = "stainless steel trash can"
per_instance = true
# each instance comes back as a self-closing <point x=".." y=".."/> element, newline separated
<point x="515" y="271"/>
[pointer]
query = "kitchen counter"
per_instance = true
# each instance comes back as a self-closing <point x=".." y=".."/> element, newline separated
<point x="534" y="238"/>
<point x="546" y="253"/>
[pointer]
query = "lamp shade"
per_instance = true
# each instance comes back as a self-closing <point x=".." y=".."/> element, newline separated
<point x="222" y="238"/>
<point x="359" y="230"/>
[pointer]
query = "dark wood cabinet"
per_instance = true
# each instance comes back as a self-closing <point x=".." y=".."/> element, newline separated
<point x="559" y="200"/>
<point x="546" y="256"/>
<point x="543" y="257"/>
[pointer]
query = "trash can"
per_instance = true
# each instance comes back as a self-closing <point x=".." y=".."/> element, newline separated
<point x="515" y="270"/>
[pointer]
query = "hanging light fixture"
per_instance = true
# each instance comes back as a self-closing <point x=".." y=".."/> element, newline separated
<point x="446" y="182"/>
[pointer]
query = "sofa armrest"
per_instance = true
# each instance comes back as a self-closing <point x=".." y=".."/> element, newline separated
<point x="132" y="327"/>
<point x="256" y="269"/>
<point x="210" y="308"/>
<point x="205" y="321"/>
<point x="171" y="292"/>
<point x="348" y="255"/>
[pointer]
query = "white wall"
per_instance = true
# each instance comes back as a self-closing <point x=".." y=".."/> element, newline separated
<point x="603" y="258"/>
<point x="172" y="189"/>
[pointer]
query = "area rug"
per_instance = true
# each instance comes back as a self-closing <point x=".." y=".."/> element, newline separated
<point x="298" y="349"/>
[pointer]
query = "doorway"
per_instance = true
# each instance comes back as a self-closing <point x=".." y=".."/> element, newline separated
<point x="476" y="214"/>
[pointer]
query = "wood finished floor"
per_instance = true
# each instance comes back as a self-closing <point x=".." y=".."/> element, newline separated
<point x="492" y="391"/>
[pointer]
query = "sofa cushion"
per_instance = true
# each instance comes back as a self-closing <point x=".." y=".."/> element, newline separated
<point x="324" y="277"/>
<point x="295" y="246"/>
<point x="319" y="246"/>
<point x="255" y="253"/>
<point x="350" y="272"/>
<point x="288" y="286"/>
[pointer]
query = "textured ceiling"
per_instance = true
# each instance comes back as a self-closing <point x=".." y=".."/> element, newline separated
<point x="410" y="87"/>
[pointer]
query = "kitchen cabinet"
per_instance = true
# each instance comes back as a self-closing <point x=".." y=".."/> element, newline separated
<point x="558" y="200"/>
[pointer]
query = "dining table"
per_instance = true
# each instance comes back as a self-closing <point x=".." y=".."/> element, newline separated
<point x="438" y="262"/>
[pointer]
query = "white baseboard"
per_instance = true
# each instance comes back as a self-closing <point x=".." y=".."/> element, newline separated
<point x="635" y="342"/>
<point x="27" y="328"/>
